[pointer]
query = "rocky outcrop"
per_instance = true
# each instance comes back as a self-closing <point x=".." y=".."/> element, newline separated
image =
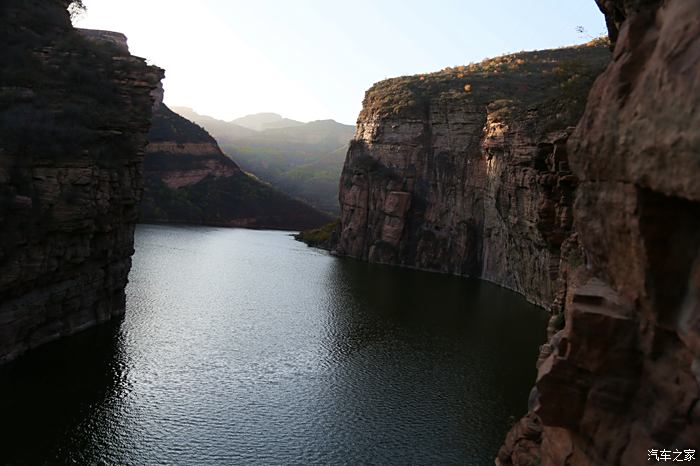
<point x="189" y="180"/>
<point x="74" y="115"/>
<point x="116" y="39"/>
<point x="466" y="171"/>
<point x="623" y="374"/>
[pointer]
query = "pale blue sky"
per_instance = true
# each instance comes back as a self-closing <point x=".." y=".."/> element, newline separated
<point x="313" y="59"/>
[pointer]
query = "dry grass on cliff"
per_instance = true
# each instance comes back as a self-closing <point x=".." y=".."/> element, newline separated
<point x="60" y="90"/>
<point x="556" y="79"/>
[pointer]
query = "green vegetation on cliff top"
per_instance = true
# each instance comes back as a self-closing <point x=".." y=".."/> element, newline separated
<point x="513" y="83"/>
<point x="46" y="64"/>
<point x="320" y="237"/>
<point x="168" y="126"/>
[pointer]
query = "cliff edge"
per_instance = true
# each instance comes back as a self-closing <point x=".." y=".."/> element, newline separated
<point x="74" y="114"/>
<point x="619" y="383"/>
<point x="585" y="202"/>
<point x="466" y="171"/>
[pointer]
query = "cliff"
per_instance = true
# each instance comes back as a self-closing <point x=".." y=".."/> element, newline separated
<point x="622" y="376"/>
<point x="117" y="39"/>
<point x="497" y="171"/>
<point x="190" y="180"/>
<point x="74" y="115"/>
<point x="465" y="171"/>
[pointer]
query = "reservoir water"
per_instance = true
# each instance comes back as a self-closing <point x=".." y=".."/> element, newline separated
<point x="243" y="346"/>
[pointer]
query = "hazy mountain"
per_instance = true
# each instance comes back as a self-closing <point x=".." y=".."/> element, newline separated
<point x="189" y="180"/>
<point x="263" y="121"/>
<point x="321" y="134"/>
<point x="215" y="126"/>
<point x="303" y="160"/>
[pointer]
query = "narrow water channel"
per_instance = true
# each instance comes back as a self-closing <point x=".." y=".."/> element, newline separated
<point x="243" y="346"/>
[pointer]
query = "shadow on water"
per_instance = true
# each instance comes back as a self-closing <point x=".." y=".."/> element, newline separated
<point x="432" y="347"/>
<point x="247" y="347"/>
<point x="455" y="313"/>
<point x="48" y="395"/>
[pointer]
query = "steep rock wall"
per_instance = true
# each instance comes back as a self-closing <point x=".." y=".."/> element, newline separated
<point x="623" y="375"/>
<point x="74" y="115"/>
<point x="466" y="171"/>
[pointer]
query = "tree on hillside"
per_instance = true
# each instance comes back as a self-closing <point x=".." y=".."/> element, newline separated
<point x="76" y="8"/>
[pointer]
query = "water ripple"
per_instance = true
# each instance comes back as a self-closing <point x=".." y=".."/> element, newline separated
<point x="245" y="347"/>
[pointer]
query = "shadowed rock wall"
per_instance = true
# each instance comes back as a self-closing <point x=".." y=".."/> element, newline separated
<point x="74" y="114"/>
<point x="466" y="171"/>
<point x="622" y="375"/>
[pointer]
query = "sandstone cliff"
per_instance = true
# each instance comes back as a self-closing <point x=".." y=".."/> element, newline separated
<point x="623" y="374"/>
<point x="465" y="171"/>
<point x="189" y="180"/>
<point x="480" y="174"/>
<point x="116" y="39"/>
<point x="74" y="115"/>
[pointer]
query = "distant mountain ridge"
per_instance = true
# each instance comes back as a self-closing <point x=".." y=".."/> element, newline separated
<point x="263" y="121"/>
<point x="213" y="125"/>
<point x="188" y="179"/>
<point x="303" y="160"/>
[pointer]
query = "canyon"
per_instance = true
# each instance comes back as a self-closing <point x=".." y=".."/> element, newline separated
<point x="622" y="376"/>
<point x="590" y="213"/>
<point x="75" y="115"/>
<point x="465" y="171"/>
<point x="567" y="175"/>
<point x="84" y="131"/>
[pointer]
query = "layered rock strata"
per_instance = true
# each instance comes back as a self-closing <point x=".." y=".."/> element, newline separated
<point x="116" y="39"/>
<point x="181" y="153"/>
<point x="466" y="171"/>
<point x="74" y="115"/>
<point x="602" y="226"/>
<point x="190" y="180"/>
<point x="622" y="377"/>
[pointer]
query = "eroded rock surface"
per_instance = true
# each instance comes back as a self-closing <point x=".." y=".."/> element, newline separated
<point x="74" y="115"/>
<point x="622" y="376"/>
<point x="466" y="171"/>
<point x="98" y="36"/>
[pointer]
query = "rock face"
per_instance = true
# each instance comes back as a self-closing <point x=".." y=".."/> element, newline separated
<point x="74" y="116"/>
<point x="601" y="224"/>
<point x="466" y="171"/>
<point x="623" y="375"/>
<point x="117" y="39"/>
<point x="189" y="180"/>
<point x="181" y="154"/>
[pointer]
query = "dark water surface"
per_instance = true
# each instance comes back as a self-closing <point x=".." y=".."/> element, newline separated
<point x="245" y="346"/>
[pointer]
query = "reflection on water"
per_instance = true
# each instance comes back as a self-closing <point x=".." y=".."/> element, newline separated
<point x="246" y="346"/>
